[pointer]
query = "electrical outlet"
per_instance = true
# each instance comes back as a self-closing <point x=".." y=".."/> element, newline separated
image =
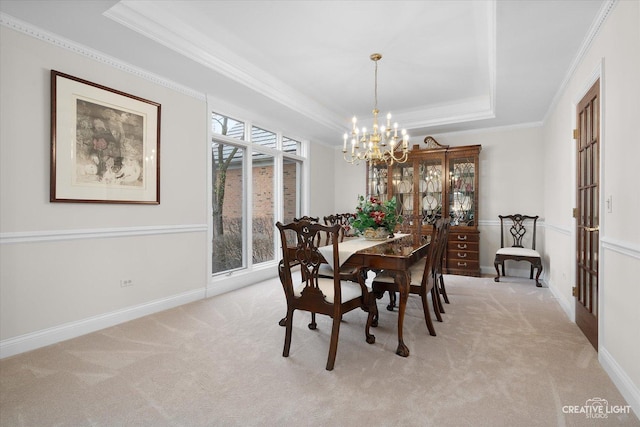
<point x="126" y="283"/>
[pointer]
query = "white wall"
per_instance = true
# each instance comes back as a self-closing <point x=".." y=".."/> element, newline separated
<point x="322" y="178"/>
<point x="614" y="56"/>
<point x="61" y="263"/>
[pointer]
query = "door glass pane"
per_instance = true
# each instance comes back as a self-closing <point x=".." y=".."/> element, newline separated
<point x="263" y="208"/>
<point x="588" y="167"/>
<point x="377" y="181"/>
<point x="462" y="194"/>
<point x="228" y="229"/>
<point x="430" y="190"/>
<point x="403" y="192"/>
<point x="581" y="168"/>
<point x="587" y="118"/>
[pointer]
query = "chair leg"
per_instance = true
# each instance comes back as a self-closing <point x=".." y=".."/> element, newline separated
<point x="496" y="264"/>
<point x="427" y="314"/>
<point x="372" y="309"/>
<point x="313" y="325"/>
<point x="392" y="301"/>
<point x="287" y="333"/>
<point x="443" y="290"/>
<point x="283" y="321"/>
<point x="538" y="275"/>
<point x="333" y="346"/>
<point x="440" y="306"/>
<point x="435" y="299"/>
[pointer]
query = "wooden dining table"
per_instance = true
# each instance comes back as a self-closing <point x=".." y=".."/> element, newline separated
<point x="396" y="256"/>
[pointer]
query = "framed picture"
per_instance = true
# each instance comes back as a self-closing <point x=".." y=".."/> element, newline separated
<point x="105" y="144"/>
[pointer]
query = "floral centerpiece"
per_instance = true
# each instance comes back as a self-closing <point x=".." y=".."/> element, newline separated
<point x="375" y="219"/>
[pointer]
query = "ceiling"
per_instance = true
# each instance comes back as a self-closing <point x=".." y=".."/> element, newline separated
<point x="446" y="66"/>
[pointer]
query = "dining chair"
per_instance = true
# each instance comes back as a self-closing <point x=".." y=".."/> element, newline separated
<point x="443" y="226"/>
<point x="422" y="283"/>
<point x="291" y="240"/>
<point x="319" y="295"/>
<point x="516" y="226"/>
<point x="325" y="269"/>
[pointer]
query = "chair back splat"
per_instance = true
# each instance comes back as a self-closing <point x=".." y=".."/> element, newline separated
<point x="513" y="229"/>
<point x="305" y="289"/>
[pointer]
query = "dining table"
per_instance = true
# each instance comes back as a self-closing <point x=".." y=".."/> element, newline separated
<point x="395" y="255"/>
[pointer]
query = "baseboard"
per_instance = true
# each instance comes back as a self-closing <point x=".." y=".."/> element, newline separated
<point x="239" y="279"/>
<point x="567" y="306"/>
<point x="627" y="388"/>
<point x="512" y="271"/>
<point x="49" y="336"/>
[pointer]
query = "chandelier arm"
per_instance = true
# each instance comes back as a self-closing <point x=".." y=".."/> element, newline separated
<point x="374" y="143"/>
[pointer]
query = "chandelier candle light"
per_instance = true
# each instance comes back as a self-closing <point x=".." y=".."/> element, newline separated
<point x="381" y="143"/>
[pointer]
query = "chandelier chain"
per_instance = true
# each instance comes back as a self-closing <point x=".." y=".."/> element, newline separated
<point x="375" y="91"/>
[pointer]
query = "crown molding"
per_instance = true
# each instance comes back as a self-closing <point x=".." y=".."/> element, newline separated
<point x="594" y="30"/>
<point x="40" y="34"/>
<point x="158" y="25"/>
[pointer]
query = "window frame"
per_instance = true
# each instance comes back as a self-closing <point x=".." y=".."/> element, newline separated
<point x="253" y="272"/>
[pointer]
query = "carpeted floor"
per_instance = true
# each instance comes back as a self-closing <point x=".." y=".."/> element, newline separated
<point x="505" y="355"/>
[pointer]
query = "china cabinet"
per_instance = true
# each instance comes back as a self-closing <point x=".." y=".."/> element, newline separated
<point x="437" y="181"/>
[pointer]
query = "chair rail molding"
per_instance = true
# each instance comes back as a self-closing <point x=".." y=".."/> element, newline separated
<point x="621" y="247"/>
<point x="60" y="235"/>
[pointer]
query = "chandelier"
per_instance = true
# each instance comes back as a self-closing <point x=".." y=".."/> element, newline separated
<point x="381" y="143"/>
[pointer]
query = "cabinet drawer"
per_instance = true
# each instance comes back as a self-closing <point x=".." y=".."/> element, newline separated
<point x="463" y="237"/>
<point x="457" y="255"/>
<point x="456" y="265"/>
<point x="462" y="246"/>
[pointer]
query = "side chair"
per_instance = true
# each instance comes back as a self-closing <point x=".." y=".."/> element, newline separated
<point x="295" y="267"/>
<point x="422" y="283"/>
<point x="308" y="291"/>
<point x="517" y="226"/>
<point x="438" y="265"/>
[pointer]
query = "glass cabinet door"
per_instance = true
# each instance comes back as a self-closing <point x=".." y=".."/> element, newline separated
<point x="462" y="191"/>
<point x="403" y="191"/>
<point x="430" y="190"/>
<point x="377" y="181"/>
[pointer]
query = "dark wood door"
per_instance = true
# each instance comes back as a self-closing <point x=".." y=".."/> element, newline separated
<point x="588" y="213"/>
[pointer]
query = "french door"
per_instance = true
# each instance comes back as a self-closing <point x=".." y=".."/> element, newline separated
<point x="588" y="213"/>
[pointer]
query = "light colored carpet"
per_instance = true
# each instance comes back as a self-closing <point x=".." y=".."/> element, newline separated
<point x="505" y="355"/>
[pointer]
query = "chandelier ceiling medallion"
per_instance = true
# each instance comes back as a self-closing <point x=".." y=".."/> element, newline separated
<point x="382" y="143"/>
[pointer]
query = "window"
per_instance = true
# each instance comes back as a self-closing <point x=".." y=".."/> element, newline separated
<point x="263" y="199"/>
<point x="227" y="226"/>
<point x="291" y="189"/>
<point x="255" y="183"/>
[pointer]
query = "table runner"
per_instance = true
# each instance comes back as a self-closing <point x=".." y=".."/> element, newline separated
<point x="349" y="247"/>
